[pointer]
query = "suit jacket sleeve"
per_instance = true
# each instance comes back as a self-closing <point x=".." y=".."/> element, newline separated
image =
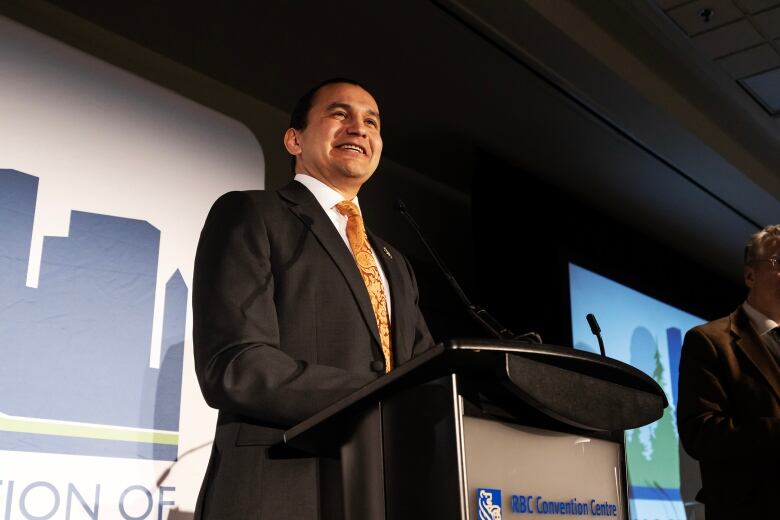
<point x="717" y="415"/>
<point x="241" y="366"/>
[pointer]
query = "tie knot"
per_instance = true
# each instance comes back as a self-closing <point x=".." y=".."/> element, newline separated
<point x="348" y="208"/>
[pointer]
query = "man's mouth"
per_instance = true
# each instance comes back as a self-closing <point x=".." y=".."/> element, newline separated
<point x="353" y="147"/>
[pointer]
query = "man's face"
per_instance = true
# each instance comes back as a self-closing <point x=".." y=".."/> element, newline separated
<point x="341" y="144"/>
<point x="764" y="281"/>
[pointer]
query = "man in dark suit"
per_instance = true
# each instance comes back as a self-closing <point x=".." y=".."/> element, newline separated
<point x="285" y="320"/>
<point x="728" y="413"/>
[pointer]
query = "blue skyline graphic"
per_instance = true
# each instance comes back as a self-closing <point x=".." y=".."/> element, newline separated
<point x="77" y="347"/>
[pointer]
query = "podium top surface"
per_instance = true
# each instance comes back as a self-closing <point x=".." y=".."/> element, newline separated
<point x="579" y="389"/>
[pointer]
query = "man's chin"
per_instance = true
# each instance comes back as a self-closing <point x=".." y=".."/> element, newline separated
<point x="356" y="174"/>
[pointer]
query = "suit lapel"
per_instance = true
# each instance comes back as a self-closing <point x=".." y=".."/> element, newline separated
<point x="398" y="319"/>
<point x="747" y="339"/>
<point x="308" y="210"/>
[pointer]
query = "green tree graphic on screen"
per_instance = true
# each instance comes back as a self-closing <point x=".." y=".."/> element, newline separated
<point x="652" y="450"/>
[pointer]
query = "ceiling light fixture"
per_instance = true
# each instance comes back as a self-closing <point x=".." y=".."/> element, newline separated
<point x="706" y="14"/>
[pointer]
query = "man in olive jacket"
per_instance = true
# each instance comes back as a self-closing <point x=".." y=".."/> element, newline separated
<point x="729" y="402"/>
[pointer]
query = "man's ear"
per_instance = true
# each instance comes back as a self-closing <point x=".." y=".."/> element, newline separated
<point x="750" y="276"/>
<point x="291" y="141"/>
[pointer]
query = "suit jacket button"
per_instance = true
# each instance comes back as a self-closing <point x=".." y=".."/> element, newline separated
<point x="378" y="366"/>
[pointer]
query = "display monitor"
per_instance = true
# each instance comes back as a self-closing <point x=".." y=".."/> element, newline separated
<point x="647" y="334"/>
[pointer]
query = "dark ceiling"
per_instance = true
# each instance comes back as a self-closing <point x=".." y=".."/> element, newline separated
<point x="742" y="36"/>
<point x="610" y="100"/>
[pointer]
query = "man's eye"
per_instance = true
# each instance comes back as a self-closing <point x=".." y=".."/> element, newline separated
<point x="340" y="114"/>
<point x="372" y="122"/>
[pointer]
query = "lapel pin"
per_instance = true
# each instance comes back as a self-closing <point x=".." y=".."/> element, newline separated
<point x="387" y="252"/>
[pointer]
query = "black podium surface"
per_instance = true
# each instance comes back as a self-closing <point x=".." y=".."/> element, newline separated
<point x="400" y="439"/>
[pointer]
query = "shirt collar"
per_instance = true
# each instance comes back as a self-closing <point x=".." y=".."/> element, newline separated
<point x="761" y="323"/>
<point x="325" y="195"/>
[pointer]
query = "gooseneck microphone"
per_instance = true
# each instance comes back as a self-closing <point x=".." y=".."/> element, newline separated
<point x="478" y="313"/>
<point x="596" y="330"/>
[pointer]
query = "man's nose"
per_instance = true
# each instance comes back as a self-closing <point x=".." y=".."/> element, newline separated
<point x="357" y="127"/>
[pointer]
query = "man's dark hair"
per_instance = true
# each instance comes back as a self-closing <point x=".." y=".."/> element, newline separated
<point x="299" y="117"/>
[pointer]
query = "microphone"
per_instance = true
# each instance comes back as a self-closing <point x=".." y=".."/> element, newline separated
<point x="478" y="313"/>
<point x="596" y="330"/>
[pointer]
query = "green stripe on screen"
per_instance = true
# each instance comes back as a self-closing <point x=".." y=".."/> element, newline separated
<point x="12" y="424"/>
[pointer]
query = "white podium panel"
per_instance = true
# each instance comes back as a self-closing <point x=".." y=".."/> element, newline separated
<point x="519" y="472"/>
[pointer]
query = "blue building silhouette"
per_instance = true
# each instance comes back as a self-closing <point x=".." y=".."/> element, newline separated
<point x="77" y="348"/>
<point x="674" y="340"/>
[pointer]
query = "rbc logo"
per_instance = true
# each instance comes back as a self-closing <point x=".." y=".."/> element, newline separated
<point x="488" y="504"/>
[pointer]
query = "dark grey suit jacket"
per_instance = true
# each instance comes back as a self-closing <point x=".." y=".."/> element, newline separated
<point x="282" y="327"/>
<point x="728" y="415"/>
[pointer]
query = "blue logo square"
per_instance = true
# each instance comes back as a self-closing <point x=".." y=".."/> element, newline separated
<point x="488" y="504"/>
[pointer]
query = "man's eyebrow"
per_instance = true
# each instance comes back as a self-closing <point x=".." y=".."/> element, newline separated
<point x="347" y="106"/>
<point x="337" y="104"/>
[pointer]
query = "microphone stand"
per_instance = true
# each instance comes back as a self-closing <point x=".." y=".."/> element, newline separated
<point x="481" y="315"/>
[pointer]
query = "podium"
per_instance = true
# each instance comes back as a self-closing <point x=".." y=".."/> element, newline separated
<point x="483" y="429"/>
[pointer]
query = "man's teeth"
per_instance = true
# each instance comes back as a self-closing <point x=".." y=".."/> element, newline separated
<point x="352" y="147"/>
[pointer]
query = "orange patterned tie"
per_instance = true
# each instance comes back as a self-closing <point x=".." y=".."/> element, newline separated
<point x="356" y="234"/>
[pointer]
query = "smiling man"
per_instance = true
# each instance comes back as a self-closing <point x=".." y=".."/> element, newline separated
<point x="295" y="305"/>
<point x="729" y="393"/>
<point x="337" y="141"/>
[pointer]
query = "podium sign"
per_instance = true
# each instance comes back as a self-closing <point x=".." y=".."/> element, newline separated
<point x="515" y="471"/>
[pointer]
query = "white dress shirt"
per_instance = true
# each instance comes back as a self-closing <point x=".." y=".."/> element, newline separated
<point x="763" y="326"/>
